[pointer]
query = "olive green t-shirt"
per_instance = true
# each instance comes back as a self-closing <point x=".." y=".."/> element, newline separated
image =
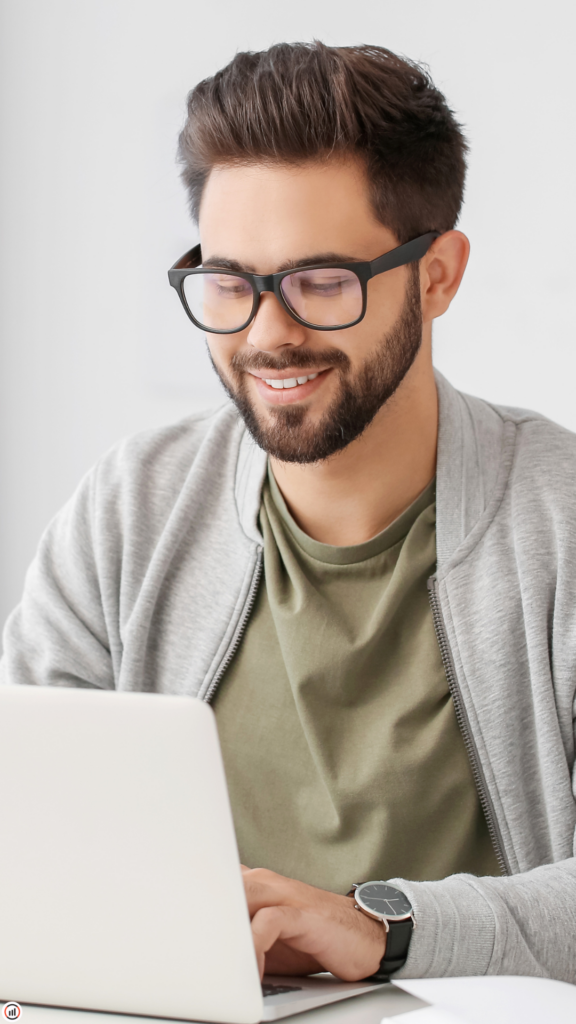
<point x="342" y="752"/>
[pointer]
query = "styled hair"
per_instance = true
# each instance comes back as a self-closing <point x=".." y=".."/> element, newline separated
<point x="298" y="102"/>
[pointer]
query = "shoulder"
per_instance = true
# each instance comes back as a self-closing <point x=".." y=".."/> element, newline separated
<point x="537" y="440"/>
<point x="501" y="452"/>
<point x="533" y="432"/>
<point x="144" y="475"/>
<point x="542" y="476"/>
<point x="168" y="453"/>
<point x="542" y="447"/>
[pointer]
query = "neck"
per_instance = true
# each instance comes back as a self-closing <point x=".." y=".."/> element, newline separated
<point x="358" y="492"/>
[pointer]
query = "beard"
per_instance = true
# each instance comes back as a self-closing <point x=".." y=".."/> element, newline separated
<point x="290" y="436"/>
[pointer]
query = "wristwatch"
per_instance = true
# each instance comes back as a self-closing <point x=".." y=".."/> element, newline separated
<point x="385" y="903"/>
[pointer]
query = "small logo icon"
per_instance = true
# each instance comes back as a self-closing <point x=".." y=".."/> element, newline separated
<point x="11" y="1011"/>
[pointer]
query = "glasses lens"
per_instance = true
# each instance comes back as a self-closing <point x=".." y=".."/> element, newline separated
<point x="220" y="302"/>
<point x="329" y="297"/>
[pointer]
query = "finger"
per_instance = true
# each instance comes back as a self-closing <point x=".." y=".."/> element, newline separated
<point x="244" y="869"/>
<point x="283" y="959"/>
<point x="261" y="889"/>
<point x="265" y="888"/>
<point x="271" y="924"/>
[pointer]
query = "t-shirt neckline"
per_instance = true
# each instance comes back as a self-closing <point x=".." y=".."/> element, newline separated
<point x="353" y="553"/>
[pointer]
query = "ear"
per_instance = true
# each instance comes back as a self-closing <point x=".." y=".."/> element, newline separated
<point x="441" y="271"/>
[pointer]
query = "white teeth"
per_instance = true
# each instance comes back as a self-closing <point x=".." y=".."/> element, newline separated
<point x="290" y="382"/>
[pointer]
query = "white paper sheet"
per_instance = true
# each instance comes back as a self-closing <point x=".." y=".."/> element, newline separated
<point x="493" y="1000"/>
<point x="427" y="1015"/>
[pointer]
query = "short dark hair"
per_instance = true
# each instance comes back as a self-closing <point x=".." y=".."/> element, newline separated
<point x="306" y="101"/>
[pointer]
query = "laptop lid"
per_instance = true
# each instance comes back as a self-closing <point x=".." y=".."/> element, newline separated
<point x="120" y="883"/>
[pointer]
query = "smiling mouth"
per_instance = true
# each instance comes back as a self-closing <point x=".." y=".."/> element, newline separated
<point x="289" y="382"/>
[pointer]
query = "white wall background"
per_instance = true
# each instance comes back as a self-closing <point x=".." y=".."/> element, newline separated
<point x="93" y="342"/>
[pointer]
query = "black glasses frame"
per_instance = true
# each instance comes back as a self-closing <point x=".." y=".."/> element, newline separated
<point x="189" y="264"/>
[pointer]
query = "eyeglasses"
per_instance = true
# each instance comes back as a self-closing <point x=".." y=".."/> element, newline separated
<point x="326" y="296"/>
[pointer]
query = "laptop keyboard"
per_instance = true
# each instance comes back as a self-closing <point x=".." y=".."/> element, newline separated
<point x="279" y="990"/>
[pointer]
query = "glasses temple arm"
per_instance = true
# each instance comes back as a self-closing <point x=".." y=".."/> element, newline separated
<point x="403" y="254"/>
<point x="190" y="260"/>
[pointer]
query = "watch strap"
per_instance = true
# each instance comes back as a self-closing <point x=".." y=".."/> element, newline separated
<point x="397" y="943"/>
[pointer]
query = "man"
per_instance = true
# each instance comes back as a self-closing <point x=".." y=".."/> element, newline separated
<point x="370" y="576"/>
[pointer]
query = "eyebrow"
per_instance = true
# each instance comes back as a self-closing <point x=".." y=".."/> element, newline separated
<point x="221" y="263"/>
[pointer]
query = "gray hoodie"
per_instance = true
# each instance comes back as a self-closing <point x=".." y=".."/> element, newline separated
<point x="145" y="581"/>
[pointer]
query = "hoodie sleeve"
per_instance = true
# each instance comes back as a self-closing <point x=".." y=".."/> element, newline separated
<point x="521" y="925"/>
<point x="58" y="634"/>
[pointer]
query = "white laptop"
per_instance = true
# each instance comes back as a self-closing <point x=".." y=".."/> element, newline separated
<point x="120" y="883"/>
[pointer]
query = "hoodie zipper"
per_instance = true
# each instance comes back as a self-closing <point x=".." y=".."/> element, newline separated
<point x="250" y="601"/>
<point x="463" y="724"/>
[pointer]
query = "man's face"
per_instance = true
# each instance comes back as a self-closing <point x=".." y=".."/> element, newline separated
<point x="259" y="218"/>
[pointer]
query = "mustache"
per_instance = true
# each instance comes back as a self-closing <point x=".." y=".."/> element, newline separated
<point x="297" y="358"/>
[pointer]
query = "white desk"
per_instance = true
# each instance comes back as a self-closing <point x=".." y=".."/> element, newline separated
<point x="485" y="1000"/>
<point x="368" y="1009"/>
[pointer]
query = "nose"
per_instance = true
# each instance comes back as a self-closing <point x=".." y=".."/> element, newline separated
<point x="272" y="327"/>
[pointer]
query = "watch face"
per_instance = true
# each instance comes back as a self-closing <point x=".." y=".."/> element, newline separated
<point x="384" y="900"/>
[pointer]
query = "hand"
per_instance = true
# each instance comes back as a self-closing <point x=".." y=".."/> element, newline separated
<point x="298" y="929"/>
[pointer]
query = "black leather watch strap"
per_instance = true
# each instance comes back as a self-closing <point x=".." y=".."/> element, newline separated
<point x="397" y="943"/>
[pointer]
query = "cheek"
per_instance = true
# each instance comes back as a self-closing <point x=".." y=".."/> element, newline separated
<point x="223" y="347"/>
<point x="384" y="306"/>
<point x="358" y="343"/>
<point x="386" y="294"/>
